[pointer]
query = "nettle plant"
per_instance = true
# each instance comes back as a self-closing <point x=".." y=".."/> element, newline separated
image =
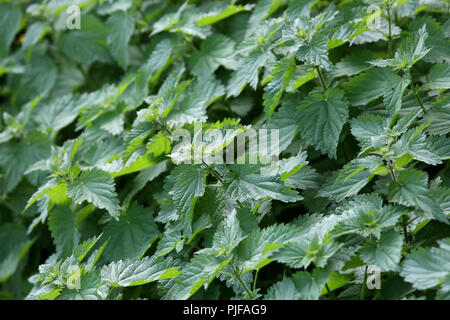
<point x="99" y="198"/>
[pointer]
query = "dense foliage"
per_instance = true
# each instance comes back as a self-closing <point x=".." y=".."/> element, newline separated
<point x="96" y="201"/>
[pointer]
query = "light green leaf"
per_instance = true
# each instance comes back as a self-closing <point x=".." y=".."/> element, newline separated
<point x="96" y="187"/>
<point x="304" y="252"/>
<point x="62" y="223"/>
<point x="10" y="17"/>
<point x="321" y="118"/>
<point x="131" y="235"/>
<point x="214" y="51"/>
<point x="15" y="245"/>
<point x="368" y="86"/>
<point x="411" y="189"/>
<point x="135" y="272"/>
<point x="309" y="284"/>
<point x="247" y="73"/>
<point x="384" y="253"/>
<point x="283" y="290"/>
<point x="87" y="44"/>
<point x="120" y="26"/>
<point x="427" y="267"/>
<point x="439" y="77"/>
<point x="199" y="272"/>
<point x="187" y="184"/>
<point x="395" y="87"/>
<point x="244" y="182"/>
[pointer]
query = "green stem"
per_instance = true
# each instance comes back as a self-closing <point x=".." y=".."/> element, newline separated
<point x="405" y="227"/>
<point x="238" y="276"/>
<point x="322" y="79"/>
<point x="390" y="31"/>
<point x="419" y="101"/>
<point x="240" y="203"/>
<point x="86" y="78"/>
<point x="391" y="168"/>
<point x="363" y="288"/>
<point x="254" y="281"/>
<point x="213" y="171"/>
<point x="330" y="293"/>
<point x="163" y="125"/>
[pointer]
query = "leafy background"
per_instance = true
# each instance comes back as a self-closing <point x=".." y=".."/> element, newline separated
<point x="92" y="192"/>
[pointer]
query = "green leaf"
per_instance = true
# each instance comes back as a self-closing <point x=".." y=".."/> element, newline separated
<point x="34" y="33"/>
<point x="192" y="104"/>
<point x="384" y="253"/>
<point x="15" y="245"/>
<point x="255" y="251"/>
<point x="247" y="73"/>
<point x="62" y="223"/>
<point x="39" y="79"/>
<point x="216" y="50"/>
<point x="135" y="272"/>
<point x="302" y="253"/>
<point x="415" y="143"/>
<point x="427" y="267"/>
<point x="368" y="221"/>
<point x="244" y="182"/>
<point x="368" y="86"/>
<point x="437" y="41"/>
<point x="309" y="284"/>
<point x="395" y="87"/>
<point x="87" y="291"/>
<point x="227" y="237"/>
<point x="439" y="77"/>
<point x="306" y="178"/>
<point x="131" y="235"/>
<point x="284" y="120"/>
<point x="439" y="115"/>
<point x="315" y="52"/>
<point x="87" y="44"/>
<point x="16" y="158"/>
<point x="10" y="17"/>
<point x="199" y="272"/>
<point x="410" y="50"/>
<point x="187" y="184"/>
<point x="283" y="290"/>
<point x="221" y="12"/>
<point x="321" y="118"/>
<point x="353" y="64"/>
<point x="350" y="179"/>
<point x="120" y="26"/>
<point x="371" y="131"/>
<point x="96" y="187"/>
<point x="411" y="189"/>
<point x="282" y="75"/>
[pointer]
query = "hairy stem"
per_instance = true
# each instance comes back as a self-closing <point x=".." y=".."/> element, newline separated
<point x="322" y="79"/>
<point x="390" y="31"/>
<point x="391" y="168"/>
<point x="416" y="95"/>
<point x="330" y="293"/>
<point x="254" y="281"/>
<point x="404" y="219"/>
<point x="405" y="227"/>
<point x="240" y="203"/>
<point x="238" y="276"/>
<point x="363" y="287"/>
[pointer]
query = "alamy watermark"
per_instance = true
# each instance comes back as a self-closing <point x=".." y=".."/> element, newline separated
<point x="373" y="277"/>
<point x="74" y="279"/>
<point x="73" y="20"/>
